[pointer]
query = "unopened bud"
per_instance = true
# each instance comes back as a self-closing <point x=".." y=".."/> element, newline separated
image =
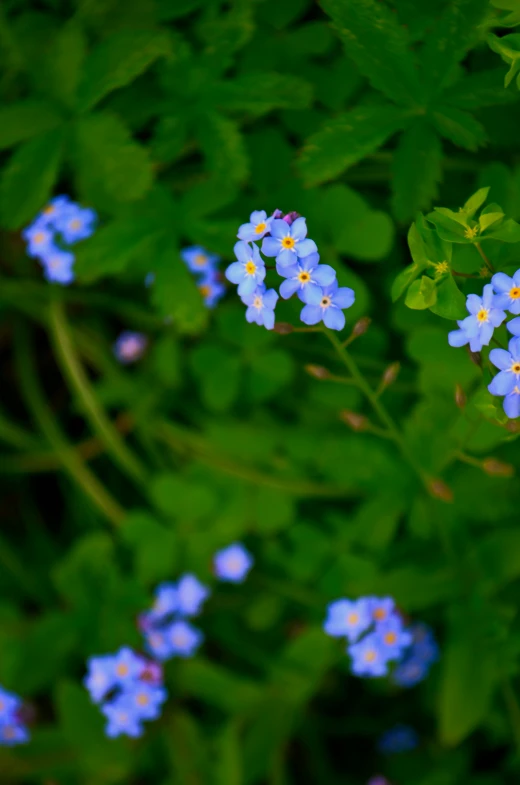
<point x="361" y="326"/>
<point x="291" y="217"/>
<point x="318" y="371"/>
<point x="475" y="357"/>
<point x="439" y="490"/>
<point x="358" y="422"/>
<point x="513" y="426"/>
<point x="278" y="214"/>
<point x="460" y="396"/>
<point x="283" y="328"/>
<point x="390" y="374"/>
<point x="497" y="468"/>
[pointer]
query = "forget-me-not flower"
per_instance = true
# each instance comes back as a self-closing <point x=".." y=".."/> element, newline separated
<point x="232" y="563"/>
<point x="507" y="292"/>
<point x="288" y="242"/>
<point x="75" y="223"/>
<point x="368" y="657"/>
<point x="39" y="238"/>
<point x="198" y="260"/>
<point x="191" y="595"/>
<point x="394" y="638"/>
<point x="307" y="278"/>
<point x="330" y="307"/>
<point x="260" y="306"/>
<point x="348" y="618"/>
<point x="477" y="329"/>
<point x="184" y="639"/>
<point x="9" y="704"/>
<point x="147" y="700"/>
<point x="514" y="326"/>
<point x="211" y="288"/>
<point x="381" y="608"/>
<point x="12" y="728"/>
<point x="249" y="270"/>
<point x="100" y="678"/>
<point x="122" y="718"/>
<point x="507" y="382"/>
<point x="410" y="672"/>
<point x="130" y="346"/>
<point x="58" y="266"/>
<point x="259" y="224"/>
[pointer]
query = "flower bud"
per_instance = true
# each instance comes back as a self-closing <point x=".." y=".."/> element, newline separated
<point x="497" y="468"/>
<point x="358" y="422"/>
<point x="361" y="326"/>
<point x="291" y="217"/>
<point x="476" y="358"/>
<point x="513" y="426"/>
<point x="439" y="490"/>
<point x="318" y="371"/>
<point x="283" y="328"/>
<point x="460" y="396"/>
<point x="278" y="214"/>
<point x="390" y="374"/>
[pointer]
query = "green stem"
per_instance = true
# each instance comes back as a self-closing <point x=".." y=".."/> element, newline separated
<point x="77" y="379"/>
<point x="32" y="392"/>
<point x="15" y="436"/>
<point x="484" y="257"/>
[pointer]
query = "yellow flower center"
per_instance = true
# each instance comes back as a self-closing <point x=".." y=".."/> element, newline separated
<point x="390" y="638"/>
<point x="482" y="315"/>
<point x="200" y="260"/>
<point x="470" y="233"/>
<point x="352" y="618"/>
<point x="515" y="368"/>
<point x="370" y="655"/>
<point x="75" y="223"/>
<point x="250" y="267"/>
<point x="257" y="302"/>
<point x="441" y="268"/>
<point x="122" y="669"/>
<point x="205" y="290"/>
<point x="142" y="699"/>
<point x="49" y="210"/>
<point x="379" y="614"/>
<point x="304" y="277"/>
<point x="325" y="302"/>
<point x="260" y="228"/>
<point x="39" y="238"/>
<point x="514" y="293"/>
<point x="122" y="717"/>
<point x="288" y="242"/>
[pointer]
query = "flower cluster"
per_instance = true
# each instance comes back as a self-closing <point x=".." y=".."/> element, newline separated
<point x="12" y="728"/>
<point x="204" y="265"/>
<point x="128" y="688"/>
<point x="418" y="658"/>
<point x="401" y="738"/>
<point x="284" y="237"/>
<point x="61" y="224"/>
<point x="130" y="347"/>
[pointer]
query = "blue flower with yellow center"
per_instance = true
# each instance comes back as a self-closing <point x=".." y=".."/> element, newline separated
<point x="288" y="242"/>
<point x="307" y="278"/>
<point x="507" y="292"/>
<point x="369" y="659"/>
<point x="477" y="329"/>
<point x="198" y="260"/>
<point x="258" y="226"/>
<point x="39" y="238"/>
<point x="233" y="563"/>
<point x="349" y="618"/>
<point x="507" y="382"/>
<point x="394" y="638"/>
<point x="211" y="289"/>
<point x="58" y="266"/>
<point x="249" y="270"/>
<point x="260" y="306"/>
<point x="330" y="307"/>
<point x="122" y="718"/>
<point x="75" y="223"/>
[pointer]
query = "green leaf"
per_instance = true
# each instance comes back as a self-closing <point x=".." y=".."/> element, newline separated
<point x="508" y="47"/>
<point x="224" y="148"/>
<point x="227" y="761"/>
<point x="346" y="139"/>
<point x="259" y="92"/>
<point x="459" y="127"/>
<point x="118" y="60"/>
<point x="170" y="136"/>
<point x="25" y="119"/>
<point x="475" y="201"/>
<point x="29" y="177"/>
<point x="404" y="279"/>
<point x="450" y="303"/>
<point x="508" y="232"/>
<point x="270" y="372"/>
<point x="175" y="293"/>
<point x="489" y="219"/>
<point x="417" y="170"/>
<point x="378" y="45"/>
<point x="219" y="374"/>
<point x="180" y="498"/>
<point x="155" y="547"/>
<point x="480" y="89"/>
<point x="63" y="64"/>
<point x="421" y="294"/>
<point x="109" y="161"/>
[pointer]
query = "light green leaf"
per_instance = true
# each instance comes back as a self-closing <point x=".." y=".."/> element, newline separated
<point x="417" y="170"/>
<point x="421" y="294"/>
<point x="475" y="201"/>
<point x="489" y="219"/>
<point x="459" y="218"/>
<point x="508" y="232"/>
<point x="175" y="293"/>
<point x="63" y="64"/>
<point x="111" y="249"/>
<point x="417" y="247"/>
<point x="29" y="177"/>
<point x="369" y="239"/>
<point x="118" y="60"/>
<point x="459" y="127"/>
<point x="378" y="45"/>
<point x="25" y="119"/>
<point x="508" y="47"/>
<point x="227" y="761"/>
<point x="346" y="139"/>
<point x="109" y="161"/>
<point x="450" y="303"/>
<point x="404" y="279"/>
<point x="224" y="148"/>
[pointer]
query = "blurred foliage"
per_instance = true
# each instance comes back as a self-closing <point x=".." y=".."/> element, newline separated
<point x="174" y="119"/>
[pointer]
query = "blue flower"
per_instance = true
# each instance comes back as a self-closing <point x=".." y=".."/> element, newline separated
<point x="477" y="329"/>
<point x="9" y="704"/>
<point x="158" y="643"/>
<point x="198" y="259"/>
<point x="401" y="738"/>
<point x="122" y="718"/>
<point x="287" y="242"/>
<point x="13" y="732"/>
<point x="514" y="326"/>
<point x="507" y="382"/>
<point x="166" y="601"/>
<point x="306" y="277"/>
<point x="394" y="638"/>
<point x="249" y="270"/>
<point x="507" y="292"/>
<point x="127" y="665"/>
<point x="57" y="266"/>
<point x="191" y="594"/>
<point x="330" y="308"/>
<point x="100" y="678"/>
<point x="381" y="608"/>
<point x="410" y="672"/>
<point x="146" y="700"/>
<point x="368" y="657"/>
<point x="232" y="563"/>
<point x="184" y="639"/>
<point x="259" y="225"/>
<point x="75" y="223"/>
<point x="211" y="289"/>
<point x="39" y="239"/>
<point x="260" y="306"/>
<point x="348" y="618"/>
<point x="130" y="346"/>
<point x="55" y="209"/>
<point x="424" y="645"/>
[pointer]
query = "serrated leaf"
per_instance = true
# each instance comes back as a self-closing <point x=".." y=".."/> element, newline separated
<point x="170" y="136"/>
<point x="23" y="120"/>
<point x="421" y="294"/>
<point x="29" y="177"/>
<point x="450" y="303"/>
<point x="118" y="60"/>
<point x="459" y="127"/>
<point x="224" y="148"/>
<point x="109" y="161"/>
<point x="416" y="169"/>
<point x="483" y="88"/>
<point x="259" y="92"/>
<point x="346" y="139"/>
<point x="63" y="64"/>
<point x="175" y="293"/>
<point x="378" y="45"/>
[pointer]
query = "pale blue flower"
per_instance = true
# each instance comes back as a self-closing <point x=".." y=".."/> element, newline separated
<point x="288" y="242"/>
<point x="330" y="308"/>
<point x="259" y="224"/>
<point x="307" y="278"/>
<point x="249" y="271"/>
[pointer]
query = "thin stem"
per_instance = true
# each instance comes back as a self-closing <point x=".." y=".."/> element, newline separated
<point x="484" y="257"/>
<point x="77" y="379"/>
<point x="69" y="459"/>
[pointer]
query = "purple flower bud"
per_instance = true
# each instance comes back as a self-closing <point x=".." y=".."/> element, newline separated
<point x="291" y="217"/>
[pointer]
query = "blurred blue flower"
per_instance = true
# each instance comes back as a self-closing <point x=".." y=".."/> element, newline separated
<point x="75" y="223"/>
<point x="507" y="382"/>
<point x="58" y="266"/>
<point x="401" y="738"/>
<point x="424" y="645"/>
<point x="130" y="346"/>
<point x="191" y="594"/>
<point x="100" y="678"/>
<point x="349" y="618"/>
<point x="381" y="608"/>
<point x="378" y="780"/>
<point x="330" y="308"/>
<point x="149" y="279"/>
<point x="211" y="289"/>
<point x="259" y="224"/>
<point x="39" y="238"/>
<point x="394" y="638"/>
<point x="368" y="657"/>
<point x="184" y="639"/>
<point x="249" y="270"/>
<point x="198" y="259"/>
<point x="306" y="277"/>
<point x="507" y="290"/>
<point x="12" y="729"/>
<point x="288" y="242"/>
<point x="9" y="704"/>
<point x="55" y="209"/>
<point x="232" y="563"/>
<point x="147" y="700"/>
<point x="122" y="718"/>
<point x="127" y="665"/>
<point x="410" y="672"/>
<point x="260" y="306"/>
<point x="477" y="329"/>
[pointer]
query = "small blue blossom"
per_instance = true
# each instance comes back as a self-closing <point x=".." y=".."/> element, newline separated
<point x="12" y="728"/>
<point x="402" y="738"/>
<point x="507" y="382"/>
<point x="55" y="209"/>
<point x="477" y="329"/>
<point x="259" y="224"/>
<point x="147" y="700"/>
<point x="381" y="608"/>
<point x="394" y="638"/>
<point x="75" y="223"/>
<point x="232" y="563"/>
<point x="288" y="242"/>
<point x="128" y="666"/>
<point x="158" y="643"/>
<point x="348" y="618"/>
<point x="58" y="266"/>
<point x="260" y="306"/>
<point x="249" y="270"/>
<point x="100" y="678"/>
<point x="184" y="639"/>
<point x="410" y="672"/>
<point x="368" y="657"/>
<point x="514" y="326"/>
<point x="507" y="290"/>
<point x="191" y="595"/>
<point x="130" y="346"/>
<point x="211" y="289"/>
<point x="39" y="238"/>
<point x="149" y="280"/>
<point x="424" y="645"/>
<point x="330" y="308"/>
<point x="9" y="704"/>
<point x="198" y="260"/>
<point x="166" y="601"/>
<point x="122" y="718"/>
<point x="307" y="278"/>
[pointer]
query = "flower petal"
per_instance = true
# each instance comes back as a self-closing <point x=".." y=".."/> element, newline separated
<point x="279" y="229"/>
<point x="246" y="232"/>
<point x="344" y="297"/>
<point x="501" y="301"/>
<point x="502" y="384"/>
<point x="501" y="359"/>
<point x="311" y="261"/>
<point x="270" y="246"/>
<point x="473" y="303"/>
<point x="288" y="272"/>
<point x="458" y="338"/>
<point x="242" y="251"/>
<point x="268" y="317"/>
<point x="323" y="274"/>
<point x="311" y="294"/>
<point x="486" y="333"/>
<point x="496" y="317"/>
<point x="487" y="295"/>
<point x="258" y="217"/>
<point x="502" y="283"/>
<point x="285" y="258"/>
<point x="289" y="287"/>
<point x="334" y="318"/>
<point x="514" y="348"/>
<point x="235" y="272"/>
<point x="299" y="229"/>
<point x="311" y="314"/>
<point x="247" y="285"/>
<point x="270" y="299"/>
<point x="514" y="326"/>
<point x="512" y="405"/>
<point x="306" y="247"/>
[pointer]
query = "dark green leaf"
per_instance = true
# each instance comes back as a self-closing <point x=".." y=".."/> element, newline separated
<point x="23" y="120"/>
<point x="417" y="170"/>
<point x="224" y="148"/>
<point x="175" y="293"/>
<point x="459" y="127"/>
<point x="262" y="91"/>
<point x="508" y="231"/>
<point x="450" y="303"/>
<point x="483" y="88"/>
<point x="63" y="64"/>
